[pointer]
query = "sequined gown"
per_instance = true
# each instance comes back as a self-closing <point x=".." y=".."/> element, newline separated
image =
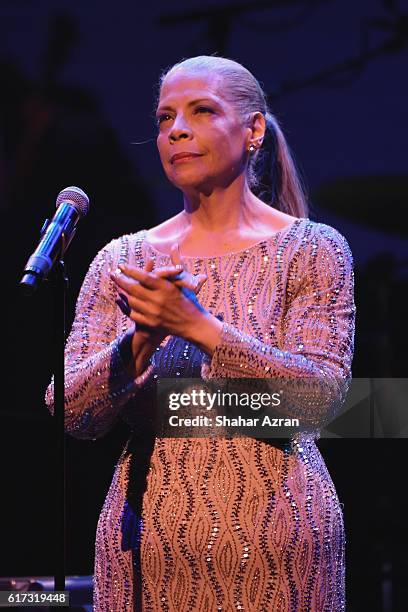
<point x="206" y="524"/>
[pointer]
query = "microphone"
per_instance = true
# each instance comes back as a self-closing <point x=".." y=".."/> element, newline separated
<point x="72" y="204"/>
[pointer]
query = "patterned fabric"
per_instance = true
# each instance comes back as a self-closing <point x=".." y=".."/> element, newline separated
<point x="219" y="523"/>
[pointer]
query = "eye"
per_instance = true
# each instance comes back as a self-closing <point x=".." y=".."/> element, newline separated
<point x="203" y="109"/>
<point x="161" y="118"/>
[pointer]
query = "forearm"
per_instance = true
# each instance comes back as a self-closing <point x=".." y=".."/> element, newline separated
<point x="136" y="348"/>
<point x="205" y="332"/>
<point x="98" y="387"/>
<point x="311" y="389"/>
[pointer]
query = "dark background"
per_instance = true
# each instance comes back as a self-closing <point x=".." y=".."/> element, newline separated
<point x="78" y="84"/>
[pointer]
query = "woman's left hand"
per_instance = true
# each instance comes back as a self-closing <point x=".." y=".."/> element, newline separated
<point x="159" y="303"/>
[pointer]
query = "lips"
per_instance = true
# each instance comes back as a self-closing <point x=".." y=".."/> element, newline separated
<point x="184" y="155"/>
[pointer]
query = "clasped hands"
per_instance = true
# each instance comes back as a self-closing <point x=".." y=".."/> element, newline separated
<point x="163" y="302"/>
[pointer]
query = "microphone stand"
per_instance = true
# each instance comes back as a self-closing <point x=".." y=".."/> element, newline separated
<point x="59" y="283"/>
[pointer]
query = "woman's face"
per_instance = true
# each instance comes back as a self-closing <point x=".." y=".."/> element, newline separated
<point x="202" y="141"/>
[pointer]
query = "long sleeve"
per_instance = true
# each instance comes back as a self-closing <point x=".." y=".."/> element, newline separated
<point x="97" y="384"/>
<point x="314" y="343"/>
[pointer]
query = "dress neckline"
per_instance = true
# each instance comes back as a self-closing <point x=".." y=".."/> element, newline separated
<point x="295" y="224"/>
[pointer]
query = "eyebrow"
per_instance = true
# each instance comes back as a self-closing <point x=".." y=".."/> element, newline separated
<point x="191" y="103"/>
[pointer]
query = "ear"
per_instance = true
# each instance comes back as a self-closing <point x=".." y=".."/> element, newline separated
<point x="256" y="131"/>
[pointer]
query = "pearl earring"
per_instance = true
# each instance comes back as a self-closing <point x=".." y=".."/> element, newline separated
<point x="252" y="147"/>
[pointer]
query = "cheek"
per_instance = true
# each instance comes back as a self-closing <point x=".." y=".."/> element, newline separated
<point x="229" y="149"/>
<point x="160" y="144"/>
<point x="162" y="149"/>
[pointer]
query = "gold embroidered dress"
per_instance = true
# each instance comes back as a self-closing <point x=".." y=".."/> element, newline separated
<point x="222" y="523"/>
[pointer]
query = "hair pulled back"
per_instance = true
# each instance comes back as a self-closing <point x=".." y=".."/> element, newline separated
<point x="271" y="172"/>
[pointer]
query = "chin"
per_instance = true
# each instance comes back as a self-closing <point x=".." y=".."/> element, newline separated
<point x="186" y="181"/>
<point x="193" y="182"/>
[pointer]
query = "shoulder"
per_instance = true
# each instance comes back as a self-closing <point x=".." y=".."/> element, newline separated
<point x="319" y="256"/>
<point x="124" y="249"/>
<point x="324" y="240"/>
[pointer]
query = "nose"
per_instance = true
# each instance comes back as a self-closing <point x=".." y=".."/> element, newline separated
<point x="179" y="131"/>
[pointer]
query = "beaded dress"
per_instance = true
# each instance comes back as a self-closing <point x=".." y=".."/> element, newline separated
<point x="218" y="523"/>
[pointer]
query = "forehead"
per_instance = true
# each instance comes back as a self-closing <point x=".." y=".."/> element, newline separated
<point x="185" y="85"/>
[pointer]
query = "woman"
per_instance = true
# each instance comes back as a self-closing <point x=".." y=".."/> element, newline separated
<point x="216" y="523"/>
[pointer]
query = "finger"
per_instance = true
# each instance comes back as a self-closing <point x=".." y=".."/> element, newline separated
<point x="149" y="264"/>
<point x="142" y="321"/>
<point x="147" y="279"/>
<point x="128" y="274"/>
<point x="127" y="287"/>
<point x="130" y="289"/>
<point x="201" y="279"/>
<point x="191" y="282"/>
<point x="175" y="255"/>
<point x="122" y="282"/>
<point x="168" y="271"/>
<point x="146" y="308"/>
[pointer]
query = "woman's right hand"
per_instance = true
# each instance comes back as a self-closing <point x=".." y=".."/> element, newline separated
<point x="175" y="273"/>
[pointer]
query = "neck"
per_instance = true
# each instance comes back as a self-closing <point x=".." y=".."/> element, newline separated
<point x="222" y="210"/>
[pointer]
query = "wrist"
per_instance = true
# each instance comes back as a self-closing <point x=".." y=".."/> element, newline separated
<point x="143" y="346"/>
<point x="136" y="347"/>
<point x="206" y="332"/>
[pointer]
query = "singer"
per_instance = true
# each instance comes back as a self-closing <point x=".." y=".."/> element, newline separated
<point x="239" y="284"/>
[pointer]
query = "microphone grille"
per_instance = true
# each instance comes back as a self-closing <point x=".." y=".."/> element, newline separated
<point x="76" y="197"/>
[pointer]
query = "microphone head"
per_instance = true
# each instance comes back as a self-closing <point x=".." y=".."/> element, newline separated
<point x="76" y="197"/>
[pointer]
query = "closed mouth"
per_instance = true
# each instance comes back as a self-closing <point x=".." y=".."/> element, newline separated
<point x="185" y="155"/>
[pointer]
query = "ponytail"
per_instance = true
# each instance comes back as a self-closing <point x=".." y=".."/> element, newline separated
<point x="272" y="173"/>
